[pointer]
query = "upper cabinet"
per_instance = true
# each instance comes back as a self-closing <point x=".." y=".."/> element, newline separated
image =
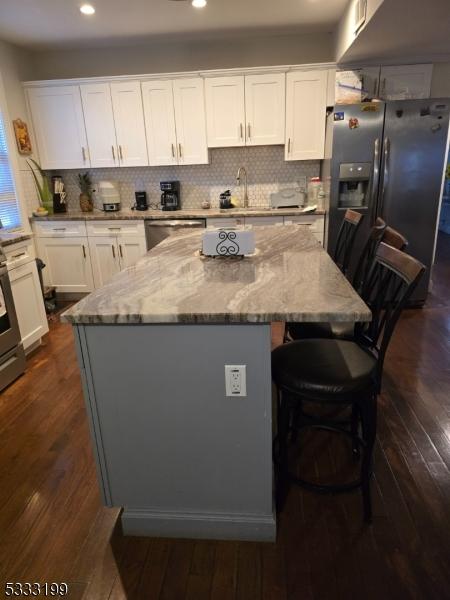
<point x="175" y="121"/>
<point x="265" y="109"/>
<point x="405" y="82"/>
<point x="129" y="120"/>
<point x="99" y="119"/>
<point x="245" y="111"/>
<point x="306" y="101"/>
<point x="59" y="127"/>
<point x="225" y="111"/>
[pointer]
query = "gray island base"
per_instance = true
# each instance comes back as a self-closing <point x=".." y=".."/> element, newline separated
<point x="180" y="457"/>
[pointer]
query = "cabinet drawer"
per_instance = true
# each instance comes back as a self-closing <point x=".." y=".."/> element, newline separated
<point x="315" y="222"/>
<point x="19" y="254"/>
<point x="264" y="220"/>
<point x="225" y="222"/>
<point x="107" y="228"/>
<point x="60" y="228"/>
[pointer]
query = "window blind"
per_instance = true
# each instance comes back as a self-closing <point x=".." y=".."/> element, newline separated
<point x="9" y="207"/>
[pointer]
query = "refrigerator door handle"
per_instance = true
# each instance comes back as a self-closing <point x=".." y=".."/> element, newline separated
<point x="387" y="145"/>
<point x="375" y="177"/>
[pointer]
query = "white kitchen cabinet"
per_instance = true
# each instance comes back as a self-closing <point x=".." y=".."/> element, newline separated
<point x="104" y="258"/>
<point x="315" y="224"/>
<point x="405" y="82"/>
<point x="306" y="100"/>
<point x="58" y="124"/>
<point x="269" y="220"/>
<point x="265" y="109"/>
<point x="29" y="304"/>
<point x="99" y="120"/>
<point x="68" y="266"/>
<point x="190" y="119"/>
<point x="175" y="122"/>
<point x="225" y="111"/>
<point x="129" y="123"/>
<point x="131" y="249"/>
<point x="159" y="113"/>
<point x="246" y="110"/>
<point x="225" y="222"/>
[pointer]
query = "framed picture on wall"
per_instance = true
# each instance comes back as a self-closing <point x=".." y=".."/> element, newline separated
<point x="22" y="137"/>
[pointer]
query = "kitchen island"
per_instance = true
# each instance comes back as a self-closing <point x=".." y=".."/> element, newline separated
<point x="172" y="449"/>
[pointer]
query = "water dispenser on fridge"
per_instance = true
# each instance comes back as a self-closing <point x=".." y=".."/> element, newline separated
<point x="354" y="185"/>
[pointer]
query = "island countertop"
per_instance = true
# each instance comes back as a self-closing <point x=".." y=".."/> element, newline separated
<point x="289" y="278"/>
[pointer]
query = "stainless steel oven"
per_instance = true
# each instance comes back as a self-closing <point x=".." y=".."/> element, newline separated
<point x="12" y="356"/>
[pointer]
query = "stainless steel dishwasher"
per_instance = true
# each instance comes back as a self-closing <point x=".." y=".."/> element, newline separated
<point x="157" y="230"/>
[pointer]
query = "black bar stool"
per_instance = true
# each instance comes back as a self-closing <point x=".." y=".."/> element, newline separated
<point x="343" y="374"/>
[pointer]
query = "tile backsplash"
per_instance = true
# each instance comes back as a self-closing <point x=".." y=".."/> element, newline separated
<point x="267" y="172"/>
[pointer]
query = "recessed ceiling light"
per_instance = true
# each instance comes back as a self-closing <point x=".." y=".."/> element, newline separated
<point x="199" y="3"/>
<point x="87" y="9"/>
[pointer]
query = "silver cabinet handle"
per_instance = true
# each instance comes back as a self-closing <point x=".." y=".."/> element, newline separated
<point x="179" y="149"/>
<point x="387" y="148"/>
<point x="289" y="145"/>
<point x="120" y="251"/>
<point x="113" y="152"/>
<point x="113" y="250"/>
<point x="249" y="131"/>
<point x="383" y="86"/>
<point x="59" y="228"/>
<point x="120" y="152"/>
<point x="84" y="251"/>
<point x="375" y="176"/>
<point x="173" y="151"/>
<point x="114" y="228"/>
<point x="14" y="256"/>
<point x="241" y="131"/>
<point x="83" y="152"/>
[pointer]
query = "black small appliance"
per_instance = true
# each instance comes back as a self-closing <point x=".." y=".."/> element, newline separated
<point x="170" y="197"/>
<point x="141" y="201"/>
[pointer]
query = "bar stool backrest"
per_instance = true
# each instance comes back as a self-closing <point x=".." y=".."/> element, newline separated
<point x="394" y="238"/>
<point x="346" y="239"/>
<point x="368" y="254"/>
<point x="391" y="281"/>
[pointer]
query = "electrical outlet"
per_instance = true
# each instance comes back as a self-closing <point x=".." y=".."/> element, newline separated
<point x="235" y="380"/>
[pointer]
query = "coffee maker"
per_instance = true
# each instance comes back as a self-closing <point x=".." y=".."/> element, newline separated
<point x="170" y="197"/>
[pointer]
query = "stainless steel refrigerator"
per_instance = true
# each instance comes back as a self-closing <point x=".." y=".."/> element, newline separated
<point x="387" y="160"/>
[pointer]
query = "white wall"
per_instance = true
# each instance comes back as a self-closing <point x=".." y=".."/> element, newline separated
<point x="189" y="55"/>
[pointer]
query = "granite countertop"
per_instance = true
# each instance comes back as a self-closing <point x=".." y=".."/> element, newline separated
<point x="289" y="278"/>
<point x="7" y="239"/>
<point x="178" y="214"/>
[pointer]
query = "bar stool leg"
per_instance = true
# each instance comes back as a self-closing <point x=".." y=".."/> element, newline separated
<point x="368" y="408"/>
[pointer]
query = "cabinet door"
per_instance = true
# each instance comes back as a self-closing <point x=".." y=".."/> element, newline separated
<point x="99" y="119"/>
<point x="29" y="304"/>
<point x="159" y="114"/>
<point x="269" y="220"/>
<point x="265" y="109"/>
<point x="405" y="82"/>
<point x="225" y="111"/>
<point x="306" y="94"/>
<point x="129" y="121"/>
<point x="131" y="249"/>
<point x="59" y="127"/>
<point x="68" y="266"/>
<point x="105" y="258"/>
<point x="190" y="121"/>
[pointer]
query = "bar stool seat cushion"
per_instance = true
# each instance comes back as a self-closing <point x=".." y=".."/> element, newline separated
<point x="298" y="331"/>
<point x="319" y="367"/>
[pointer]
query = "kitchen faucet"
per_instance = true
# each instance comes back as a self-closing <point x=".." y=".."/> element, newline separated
<point x="238" y="179"/>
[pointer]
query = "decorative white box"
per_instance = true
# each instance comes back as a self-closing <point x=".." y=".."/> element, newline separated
<point x="228" y="242"/>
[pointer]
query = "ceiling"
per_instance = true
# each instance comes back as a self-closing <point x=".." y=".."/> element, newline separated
<point x="53" y="23"/>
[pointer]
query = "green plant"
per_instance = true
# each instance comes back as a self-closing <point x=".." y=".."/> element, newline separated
<point x="43" y="188"/>
<point x="85" y="183"/>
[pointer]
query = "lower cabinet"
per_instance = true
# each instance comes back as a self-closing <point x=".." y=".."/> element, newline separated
<point x="27" y="294"/>
<point x="111" y="254"/>
<point x="68" y="267"/>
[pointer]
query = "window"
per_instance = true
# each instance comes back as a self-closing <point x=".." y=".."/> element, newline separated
<point x="9" y="207"/>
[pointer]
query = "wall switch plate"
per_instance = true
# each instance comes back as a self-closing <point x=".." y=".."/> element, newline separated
<point x="235" y="380"/>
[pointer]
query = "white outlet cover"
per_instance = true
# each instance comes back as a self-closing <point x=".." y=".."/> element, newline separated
<point x="235" y="380"/>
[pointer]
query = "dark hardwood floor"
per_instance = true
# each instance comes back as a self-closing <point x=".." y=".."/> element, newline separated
<point x="53" y="528"/>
